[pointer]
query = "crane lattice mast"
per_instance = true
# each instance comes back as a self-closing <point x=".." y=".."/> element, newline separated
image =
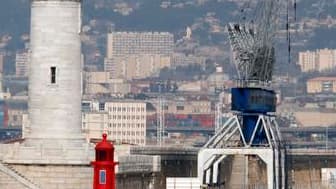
<point x="252" y="44"/>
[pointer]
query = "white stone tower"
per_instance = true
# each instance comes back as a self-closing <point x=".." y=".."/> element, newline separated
<point x="55" y="71"/>
<point x="53" y="135"/>
<point x="54" y="154"/>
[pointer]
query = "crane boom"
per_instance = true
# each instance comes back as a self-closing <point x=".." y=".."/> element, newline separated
<point x="252" y="44"/>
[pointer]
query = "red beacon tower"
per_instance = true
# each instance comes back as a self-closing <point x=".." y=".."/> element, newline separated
<point x="104" y="166"/>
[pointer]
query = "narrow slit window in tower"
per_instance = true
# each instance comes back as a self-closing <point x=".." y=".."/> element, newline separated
<point x="53" y="75"/>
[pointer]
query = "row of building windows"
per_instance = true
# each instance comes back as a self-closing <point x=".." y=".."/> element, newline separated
<point x="126" y="109"/>
<point x="126" y="133"/>
<point x="131" y="141"/>
<point x="116" y="126"/>
<point x="127" y="125"/>
<point x="126" y="117"/>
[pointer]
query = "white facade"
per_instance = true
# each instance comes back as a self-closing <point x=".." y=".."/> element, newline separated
<point x="55" y="70"/>
<point x="136" y="66"/>
<point x="124" y="122"/>
<point x="182" y="183"/>
<point x="132" y="43"/>
<point x="136" y="55"/>
<point x="328" y="177"/>
<point x="319" y="60"/>
<point x="94" y="124"/>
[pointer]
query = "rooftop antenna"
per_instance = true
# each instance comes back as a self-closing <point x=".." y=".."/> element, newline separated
<point x="160" y="119"/>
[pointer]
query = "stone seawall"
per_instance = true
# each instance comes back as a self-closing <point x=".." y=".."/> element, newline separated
<point x="49" y="177"/>
<point x="68" y="177"/>
<point x="8" y="182"/>
<point x="133" y="172"/>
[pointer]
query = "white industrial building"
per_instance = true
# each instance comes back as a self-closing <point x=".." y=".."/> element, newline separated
<point x="123" y="121"/>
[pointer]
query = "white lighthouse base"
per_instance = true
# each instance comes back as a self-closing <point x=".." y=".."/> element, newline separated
<point x="47" y="166"/>
<point x="34" y="176"/>
<point x="80" y="154"/>
<point x="30" y="168"/>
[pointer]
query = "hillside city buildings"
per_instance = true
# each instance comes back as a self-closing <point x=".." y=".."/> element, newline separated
<point x="102" y="83"/>
<point x="132" y="59"/>
<point x="326" y="85"/>
<point x="180" y="59"/>
<point x="319" y="60"/>
<point x="136" y="66"/>
<point x="138" y="55"/>
<point x="130" y="43"/>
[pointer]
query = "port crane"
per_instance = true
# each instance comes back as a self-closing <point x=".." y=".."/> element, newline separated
<point x="252" y="130"/>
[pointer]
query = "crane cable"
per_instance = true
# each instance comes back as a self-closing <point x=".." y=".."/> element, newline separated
<point x="288" y="26"/>
<point x="288" y="32"/>
<point x="320" y="8"/>
<point x="295" y="4"/>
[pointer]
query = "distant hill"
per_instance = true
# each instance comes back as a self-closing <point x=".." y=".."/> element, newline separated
<point x="14" y="20"/>
<point x="206" y="17"/>
<point x="148" y="15"/>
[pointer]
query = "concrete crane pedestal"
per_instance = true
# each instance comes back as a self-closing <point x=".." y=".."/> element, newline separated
<point x="230" y="141"/>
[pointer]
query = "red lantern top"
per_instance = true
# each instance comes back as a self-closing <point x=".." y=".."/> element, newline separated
<point x="104" y="150"/>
